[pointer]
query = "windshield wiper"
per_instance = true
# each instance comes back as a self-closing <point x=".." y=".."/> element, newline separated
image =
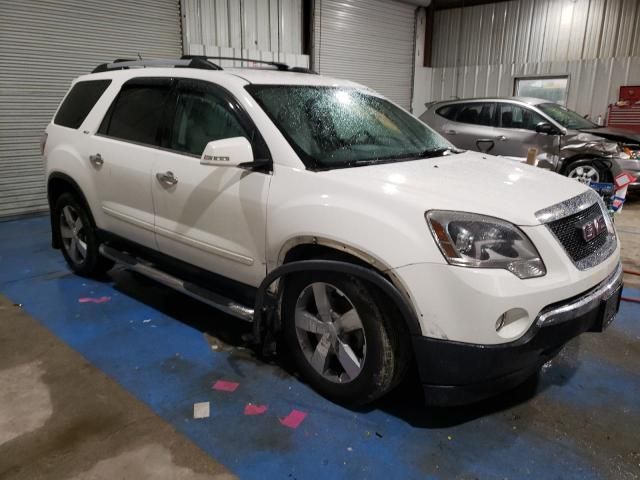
<point x="360" y="163"/>
<point x="439" y="152"/>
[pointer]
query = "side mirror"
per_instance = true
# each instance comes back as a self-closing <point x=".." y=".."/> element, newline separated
<point x="229" y="152"/>
<point x="547" y="129"/>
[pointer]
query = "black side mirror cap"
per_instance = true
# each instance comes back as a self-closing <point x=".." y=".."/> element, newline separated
<point x="259" y="165"/>
<point x="547" y="129"/>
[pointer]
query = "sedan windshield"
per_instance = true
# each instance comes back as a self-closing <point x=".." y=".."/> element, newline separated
<point x="332" y="127"/>
<point x="565" y="117"/>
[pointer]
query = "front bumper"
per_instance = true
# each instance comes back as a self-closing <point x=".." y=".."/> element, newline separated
<point x="457" y="373"/>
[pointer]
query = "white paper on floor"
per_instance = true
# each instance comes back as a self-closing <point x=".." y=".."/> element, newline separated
<point x="201" y="410"/>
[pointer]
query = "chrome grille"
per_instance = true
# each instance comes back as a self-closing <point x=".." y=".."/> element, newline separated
<point x="569" y="234"/>
<point x="563" y="220"/>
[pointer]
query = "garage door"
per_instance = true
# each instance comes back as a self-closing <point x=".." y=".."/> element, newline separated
<point x="367" y="41"/>
<point x="44" y="44"/>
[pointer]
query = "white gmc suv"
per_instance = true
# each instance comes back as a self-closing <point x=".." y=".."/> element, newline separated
<point x="354" y="237"/>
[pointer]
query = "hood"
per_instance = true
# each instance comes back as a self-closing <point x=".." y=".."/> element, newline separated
<point x="467" y="182"/>
<point x="614" y="134"/>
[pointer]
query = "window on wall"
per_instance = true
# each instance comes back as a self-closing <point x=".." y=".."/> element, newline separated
<point x="554" y="89"/>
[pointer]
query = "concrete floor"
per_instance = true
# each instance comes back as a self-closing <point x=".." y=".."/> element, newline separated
<point x="106" y="390"/>
<point x="61" y="417"/>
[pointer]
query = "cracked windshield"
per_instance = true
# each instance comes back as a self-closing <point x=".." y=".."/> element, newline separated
<point x="332" y="127"/>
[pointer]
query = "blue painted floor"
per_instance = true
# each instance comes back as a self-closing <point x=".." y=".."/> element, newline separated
<point x="580" y="419"/>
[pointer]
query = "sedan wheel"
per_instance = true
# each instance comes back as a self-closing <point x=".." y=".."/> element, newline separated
<point x="330" y="333"/>
<point x="73" y="234"/>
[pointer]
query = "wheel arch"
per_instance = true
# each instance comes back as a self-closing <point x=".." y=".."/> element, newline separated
<point x="315" y="247"/>
<point x="316" y="254"/>
<point x="59" y="183"/>
<point x="584" y="159"/>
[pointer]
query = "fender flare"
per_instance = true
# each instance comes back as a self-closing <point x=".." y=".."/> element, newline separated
<point x="264" y="309"/>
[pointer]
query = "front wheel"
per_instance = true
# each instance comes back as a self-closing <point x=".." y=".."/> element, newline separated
<point x="343" y="339"/>
<point x="588" y="172"/>
<point x="78" y="238"/>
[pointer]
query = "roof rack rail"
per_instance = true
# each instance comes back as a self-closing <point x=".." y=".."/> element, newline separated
<point x="191" y="61"/>
<point x="123" y="64"/>
<point x="279" y="65"/>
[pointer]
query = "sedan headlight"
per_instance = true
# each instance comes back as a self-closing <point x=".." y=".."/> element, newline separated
<point x="471" y="240"/>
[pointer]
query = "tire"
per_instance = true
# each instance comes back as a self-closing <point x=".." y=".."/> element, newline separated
<point x="76" y="233"/>
<point x="375" y="337"/>
<point x="588" y="171"/>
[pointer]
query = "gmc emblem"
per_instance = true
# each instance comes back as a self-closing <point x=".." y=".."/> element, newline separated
<point x="593" y="228"/>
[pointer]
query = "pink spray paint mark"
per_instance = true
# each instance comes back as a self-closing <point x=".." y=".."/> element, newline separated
<point x="225" y="386"/>
<point x="294" y="419"/>
<point x="251" y="409"/>
<point x="94" y="300"/>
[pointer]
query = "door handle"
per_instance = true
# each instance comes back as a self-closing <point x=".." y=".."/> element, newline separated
<point x="96" y="160"/>
<point x="502" y="138"/>
<point x="451" y="132"/>
<point x="168" y="178"/>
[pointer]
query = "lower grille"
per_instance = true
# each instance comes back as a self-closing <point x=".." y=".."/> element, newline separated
<point x="567" y="231"/>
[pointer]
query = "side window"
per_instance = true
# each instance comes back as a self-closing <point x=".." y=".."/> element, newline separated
<point x="79" y="102"/>
<point x="449" y="111"/>
<point x="202" y="116"/>
<point x="477" y="113"/>
<point x="136" y="113"/>
<point x="515" y="116"/>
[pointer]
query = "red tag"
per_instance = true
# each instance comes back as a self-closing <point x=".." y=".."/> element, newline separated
<point x="294" y="419"/>
<point x="624" y="179"/>
<point x="251" y="409"/>
<point x="225" y="386"/>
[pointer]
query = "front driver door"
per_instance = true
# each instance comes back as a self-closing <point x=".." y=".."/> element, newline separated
<point x="516" y="133"/>
<point x="210" y="216"/>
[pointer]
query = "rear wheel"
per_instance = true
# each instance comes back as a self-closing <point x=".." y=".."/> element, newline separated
<point x="343" y="339"/>
<point x="77" y="237"/>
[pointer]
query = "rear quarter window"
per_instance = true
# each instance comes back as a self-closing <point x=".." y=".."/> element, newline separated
<point x="78" y="103"/>
<point x="449" y="111"/>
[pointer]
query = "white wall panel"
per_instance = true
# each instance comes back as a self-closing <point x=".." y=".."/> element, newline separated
<point x="604" y="76"/>
<point x="528" y="31"/>
<point x="595" y="42"/>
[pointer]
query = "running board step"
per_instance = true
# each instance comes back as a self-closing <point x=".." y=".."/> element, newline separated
<point x="206" y="296"/>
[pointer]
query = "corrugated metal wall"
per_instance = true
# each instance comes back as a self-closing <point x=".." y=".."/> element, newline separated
<point x="528" y="31"/>
<point x="259" y="29"/>
<point x="479" y="50"/>
<point x="367" y="41"/>
<point x="44" y="44"/>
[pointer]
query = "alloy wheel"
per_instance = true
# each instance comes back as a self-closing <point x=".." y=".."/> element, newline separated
<point x="72" y="232"/>
<point x="585" y="174"/>
<point x="330" y="332"/>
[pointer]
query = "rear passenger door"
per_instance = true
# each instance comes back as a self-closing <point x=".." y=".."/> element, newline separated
<point x="213" y="217"/>
<point x="123" y="154"/>
<point x="472" y="127"/>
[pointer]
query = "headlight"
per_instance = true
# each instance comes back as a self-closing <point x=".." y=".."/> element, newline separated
<point x="471" y="240"/>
